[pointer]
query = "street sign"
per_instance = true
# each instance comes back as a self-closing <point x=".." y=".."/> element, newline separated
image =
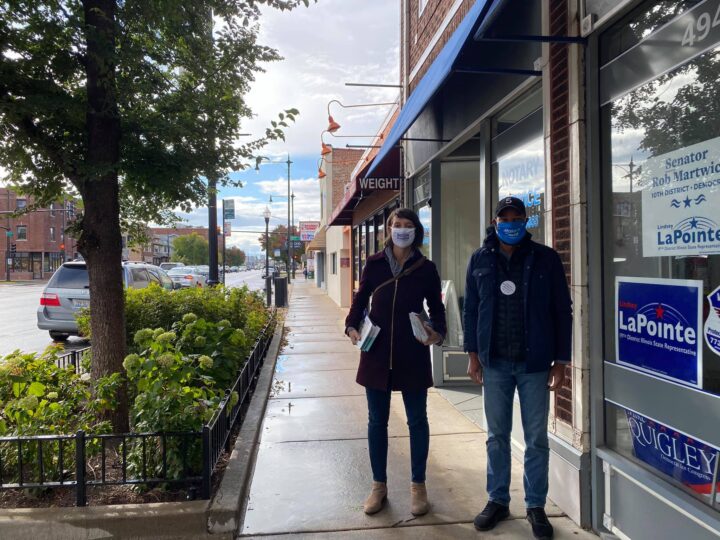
<point x="227" y="228"/>
<point x="228" y="209"/>
<point x="277" y="253"/>
<point x="295" y="238"/>
<point x="8" y="233"/>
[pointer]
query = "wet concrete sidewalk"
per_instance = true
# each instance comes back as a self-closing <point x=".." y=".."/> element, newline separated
<point x="312" y="472"/>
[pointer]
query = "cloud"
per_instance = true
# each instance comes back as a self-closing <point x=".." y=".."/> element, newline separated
<point x="325" y="46"/>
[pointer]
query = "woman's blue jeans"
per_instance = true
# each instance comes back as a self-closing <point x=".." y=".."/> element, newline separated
<point x="500" y="380"/>
<point x="378" y="416"/>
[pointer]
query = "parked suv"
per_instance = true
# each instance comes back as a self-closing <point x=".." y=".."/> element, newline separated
<point x="68" y="291"/>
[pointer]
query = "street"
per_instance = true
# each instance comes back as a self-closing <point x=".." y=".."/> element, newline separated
<point x="18" y="321"/>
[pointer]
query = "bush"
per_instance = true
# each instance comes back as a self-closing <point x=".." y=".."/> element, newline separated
<point x="155" y="307"/>
<point x="39" y="398"/>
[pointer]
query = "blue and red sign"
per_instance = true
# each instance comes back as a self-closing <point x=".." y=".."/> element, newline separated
<point x="674" y="453"/>
<point x="658" y="327"/>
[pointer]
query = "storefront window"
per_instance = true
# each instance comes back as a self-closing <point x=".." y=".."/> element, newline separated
<point x="461" y="230"/>
<point x="661" y="174"/>
<point x="519" y="160"/>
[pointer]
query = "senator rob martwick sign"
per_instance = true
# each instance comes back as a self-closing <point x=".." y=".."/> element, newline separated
<point x="658" y="327"/>
<point x="680" y="201"/>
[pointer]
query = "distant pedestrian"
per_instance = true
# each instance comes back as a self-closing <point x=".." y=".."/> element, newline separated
<point x="518" y="325"/>
<point x="398" y="280"/>
<point x="305" y="273"/>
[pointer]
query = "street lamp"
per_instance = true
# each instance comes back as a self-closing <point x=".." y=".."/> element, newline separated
<point x="268" y="286"/>
<point x="258" y="161"/>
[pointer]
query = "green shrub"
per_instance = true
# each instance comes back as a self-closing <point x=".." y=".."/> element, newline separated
<point x="39" y="398"/>
<point x="155" y="307"/>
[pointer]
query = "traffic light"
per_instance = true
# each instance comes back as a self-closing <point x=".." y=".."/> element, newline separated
<point x="13" y="248"/>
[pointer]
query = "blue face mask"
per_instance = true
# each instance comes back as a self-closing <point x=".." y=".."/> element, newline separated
<point x="511" y="233"/>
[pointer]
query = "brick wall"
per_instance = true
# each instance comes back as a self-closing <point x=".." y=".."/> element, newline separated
<point x="422" y="28"/>
<point x="560" y="167"/>
<point x="344" y="161"/>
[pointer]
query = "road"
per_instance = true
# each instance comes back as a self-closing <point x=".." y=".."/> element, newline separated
<point x="19" y="301"/>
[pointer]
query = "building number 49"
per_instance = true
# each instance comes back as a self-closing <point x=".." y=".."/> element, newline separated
<point x="702" y="25"/>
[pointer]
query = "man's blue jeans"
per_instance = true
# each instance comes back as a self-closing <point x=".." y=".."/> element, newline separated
<point x="500" y="380"/>
<point x="378" y="416"/>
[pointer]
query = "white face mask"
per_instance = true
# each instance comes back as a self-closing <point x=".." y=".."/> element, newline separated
<point x="403" y="238"/>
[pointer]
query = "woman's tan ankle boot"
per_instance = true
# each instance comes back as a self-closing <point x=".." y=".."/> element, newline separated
<point x="419" y="505"/>
<point x="376" y="500"/>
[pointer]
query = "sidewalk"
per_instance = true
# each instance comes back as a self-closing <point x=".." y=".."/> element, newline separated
<point x="312" y="472"/>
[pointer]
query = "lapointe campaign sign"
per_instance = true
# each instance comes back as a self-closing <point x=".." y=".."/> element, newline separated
<point x="658" y="326"/>
<point x="674" y="453"/>
<point x="680" y="201"/>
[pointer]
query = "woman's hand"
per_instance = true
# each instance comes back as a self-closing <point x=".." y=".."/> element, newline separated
<point x="433" y="336"/>
<point x="353" y="335"/>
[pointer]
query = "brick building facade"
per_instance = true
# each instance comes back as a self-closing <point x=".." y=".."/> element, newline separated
<point x="38" y="236"/>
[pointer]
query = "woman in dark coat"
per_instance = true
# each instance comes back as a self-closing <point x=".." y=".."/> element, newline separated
<point x="397" y="282"/>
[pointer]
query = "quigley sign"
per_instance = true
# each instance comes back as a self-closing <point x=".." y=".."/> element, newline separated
<point x="658" y="327"/>
<point x="673" y="453"/>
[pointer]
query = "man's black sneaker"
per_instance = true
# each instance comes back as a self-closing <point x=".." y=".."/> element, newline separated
<point x="490" y="516"/>
<point x="541" y="528"/>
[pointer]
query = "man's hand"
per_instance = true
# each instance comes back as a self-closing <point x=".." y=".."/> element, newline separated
<point x="354" y="336"/>
<point x="433" y="336"/>
<point x="474" y="369"/>
<point x="556" y="377"/>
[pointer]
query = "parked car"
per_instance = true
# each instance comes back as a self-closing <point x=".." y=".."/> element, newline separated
<point x="68" y="291"/>
<point x="170" y="265"/>
<point x="188" y="276"/>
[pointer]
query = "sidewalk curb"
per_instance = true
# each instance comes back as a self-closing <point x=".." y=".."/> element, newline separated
<point x="154" y="520"/>
<point x="226" y="511"/>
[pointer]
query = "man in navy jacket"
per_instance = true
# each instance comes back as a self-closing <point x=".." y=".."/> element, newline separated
<point x="518" y="328"/>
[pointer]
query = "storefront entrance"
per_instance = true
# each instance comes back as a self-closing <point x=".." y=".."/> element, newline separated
<point x="660" y="179"/>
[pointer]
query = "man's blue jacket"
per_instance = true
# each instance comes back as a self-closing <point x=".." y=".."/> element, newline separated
<point x="547" y="305"/>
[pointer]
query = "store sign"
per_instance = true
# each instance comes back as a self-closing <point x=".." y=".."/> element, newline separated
<point x="380" y="184"/>
<point x="712" y="324"/>
<point x="308" y="230"/>
<point x="674" y="453"/>
<point x="680" y="201"/>
<point x="658" y="326"/>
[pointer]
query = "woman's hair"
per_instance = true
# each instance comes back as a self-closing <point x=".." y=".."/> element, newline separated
<point x="405" y="213"/>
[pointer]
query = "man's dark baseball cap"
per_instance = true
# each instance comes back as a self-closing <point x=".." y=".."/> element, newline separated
<point x="510" y="202"/>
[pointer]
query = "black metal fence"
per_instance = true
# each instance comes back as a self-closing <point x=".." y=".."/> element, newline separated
<point x="181" y="459"/>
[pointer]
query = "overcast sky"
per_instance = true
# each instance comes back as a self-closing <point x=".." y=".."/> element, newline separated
<point x="324" y="46"/>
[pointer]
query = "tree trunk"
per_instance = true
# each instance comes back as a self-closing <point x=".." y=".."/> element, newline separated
<point x="101" y="238"/>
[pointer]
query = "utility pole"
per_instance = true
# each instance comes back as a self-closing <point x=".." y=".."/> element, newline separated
<point x="292" y="213"/>
<point x="212" y="190"/>
<point x="289" y="236"/>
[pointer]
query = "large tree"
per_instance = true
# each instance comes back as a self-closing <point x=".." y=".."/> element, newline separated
<point x="131" y="103"/>
<point x="235" y="256"/>
<point x="191" y="249"/>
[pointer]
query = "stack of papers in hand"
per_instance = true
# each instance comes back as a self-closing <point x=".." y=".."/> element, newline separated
<point x="368" y="333"/>
<point x="419" y="331"/>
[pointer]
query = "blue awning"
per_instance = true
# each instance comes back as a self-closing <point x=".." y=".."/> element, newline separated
<point x="433" y="79"/>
